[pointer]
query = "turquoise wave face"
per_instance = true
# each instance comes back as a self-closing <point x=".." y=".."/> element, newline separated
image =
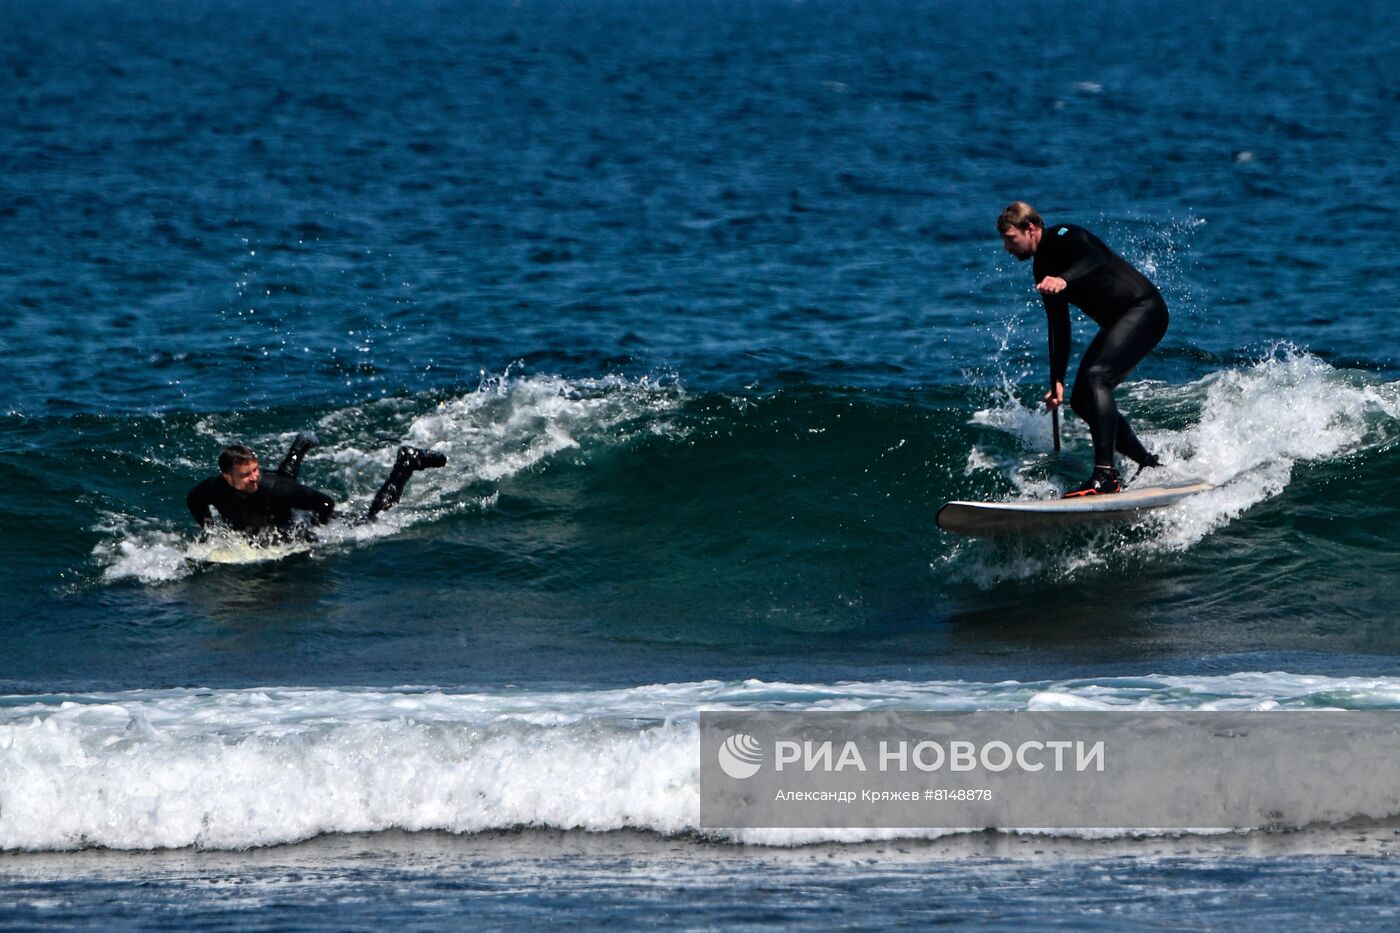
<point x="613" y="527"/>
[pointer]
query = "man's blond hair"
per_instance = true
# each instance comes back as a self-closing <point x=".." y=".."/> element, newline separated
<point x="1020" y="215"/>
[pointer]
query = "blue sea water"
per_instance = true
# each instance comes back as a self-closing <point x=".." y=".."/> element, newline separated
<point x="704" y="302"/>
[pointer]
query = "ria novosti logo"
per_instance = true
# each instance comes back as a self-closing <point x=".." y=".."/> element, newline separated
<point x="740" y="756"/>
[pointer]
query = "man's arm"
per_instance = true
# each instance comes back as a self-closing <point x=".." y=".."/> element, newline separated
<point x="198" y="502"/>
<point x="308" y="500"/>
<point x="1085" y="254"/>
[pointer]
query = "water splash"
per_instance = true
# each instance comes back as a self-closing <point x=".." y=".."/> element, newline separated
<point x="509" y="425"/>
<point x="230" y="769"/>
<point x="1248" y="430"/>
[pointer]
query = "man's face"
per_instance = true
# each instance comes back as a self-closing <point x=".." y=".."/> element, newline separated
<point x="1021" y="243"/>
<point x="244" y="476"/>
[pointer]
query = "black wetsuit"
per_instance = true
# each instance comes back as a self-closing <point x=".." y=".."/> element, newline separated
<point x="1132" y="318"/>
<point x="269" y="508"/>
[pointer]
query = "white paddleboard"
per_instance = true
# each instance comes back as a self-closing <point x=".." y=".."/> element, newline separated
<point x="983" y="519"/>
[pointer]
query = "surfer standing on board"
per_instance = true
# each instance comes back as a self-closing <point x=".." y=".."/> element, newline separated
<point x="1072" y="266"/>
<point x="253" y="502"/>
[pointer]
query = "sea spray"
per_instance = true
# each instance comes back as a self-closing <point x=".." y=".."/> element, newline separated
<point x="509" y="425"/>
<point x="1251" y="429"/>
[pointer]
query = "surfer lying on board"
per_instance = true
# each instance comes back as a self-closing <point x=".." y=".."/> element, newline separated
<point x="1072" y="266"/>
<point x="255" y="503"/>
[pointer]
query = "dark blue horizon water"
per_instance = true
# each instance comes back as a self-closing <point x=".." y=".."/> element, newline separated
<point x="704" y="302"/>
<point x="307" y="202"/>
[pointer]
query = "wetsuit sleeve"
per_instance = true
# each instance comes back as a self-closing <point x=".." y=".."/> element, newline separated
<point x="1057" y="317"/>
<point x="198" y="502"/>
<point x="1084" y="255"/>
<point x="308" y="500"/>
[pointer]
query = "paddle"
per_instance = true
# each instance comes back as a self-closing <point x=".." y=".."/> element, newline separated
<point x="1054" y="409"/>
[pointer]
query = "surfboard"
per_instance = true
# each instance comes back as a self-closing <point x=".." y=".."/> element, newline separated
<point x="234" y="550"/>
<point x="984" y="519"/>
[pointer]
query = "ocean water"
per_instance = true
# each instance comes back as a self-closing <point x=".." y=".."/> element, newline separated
<point x="704" y="302"/>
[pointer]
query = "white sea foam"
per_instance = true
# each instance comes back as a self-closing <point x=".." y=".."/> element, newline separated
<point x="1250" y="431"/>
<point x="1259" y="424"/>
<point x="230" y="769"/>
<point x="509" y="425"/>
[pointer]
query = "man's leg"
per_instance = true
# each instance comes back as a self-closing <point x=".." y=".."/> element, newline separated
<point x="409" y="461"/>
<point x="291" y="464"/>
<point x="1108" y="360"/>
<point x="1110" y="357"/>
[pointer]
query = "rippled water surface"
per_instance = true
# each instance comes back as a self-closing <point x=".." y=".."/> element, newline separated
<point x="704" y="303"/>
